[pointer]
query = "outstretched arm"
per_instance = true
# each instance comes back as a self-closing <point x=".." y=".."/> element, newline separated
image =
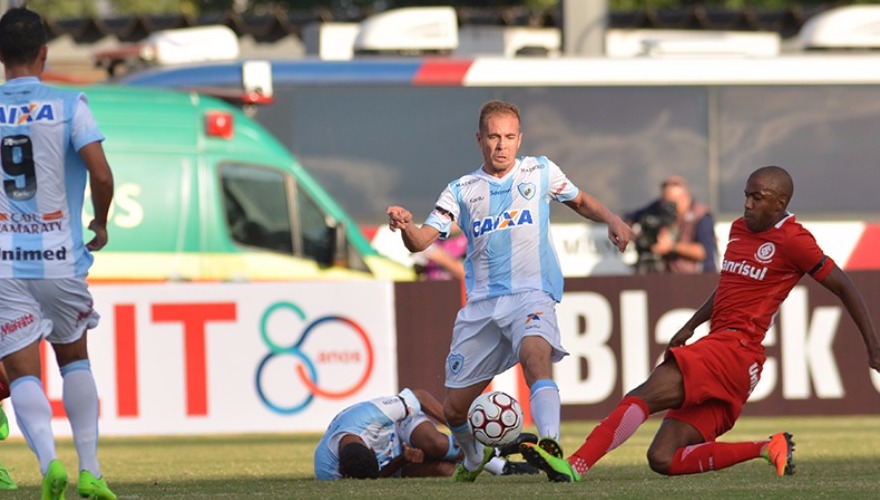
<point x="586" y="206"/>
<point x="841" y="285"/>
<point x="415" y="238"/>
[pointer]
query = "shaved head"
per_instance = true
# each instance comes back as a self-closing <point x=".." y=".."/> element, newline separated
<point x="768" y="192"/>
<point x="775" y="179"/>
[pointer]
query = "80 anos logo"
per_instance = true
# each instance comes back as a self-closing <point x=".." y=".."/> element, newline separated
<point x="332" y="358"/>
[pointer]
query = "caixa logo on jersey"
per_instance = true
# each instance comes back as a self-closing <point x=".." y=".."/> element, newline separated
<point x="327" y="357"/>
<point x="506" y="220"/>
<point x="26" y="113"/>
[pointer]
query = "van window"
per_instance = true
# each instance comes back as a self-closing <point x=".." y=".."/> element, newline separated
<point x="257" y="207"/>
<point x="315" y="229"/>
<point x="261" y="213"/>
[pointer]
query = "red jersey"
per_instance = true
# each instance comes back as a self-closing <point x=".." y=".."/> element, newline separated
<point x="759" y="270"/>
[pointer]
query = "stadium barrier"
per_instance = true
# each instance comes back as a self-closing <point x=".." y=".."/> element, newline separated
<point x="212" y="358"/>
<point x="616" y="329"/>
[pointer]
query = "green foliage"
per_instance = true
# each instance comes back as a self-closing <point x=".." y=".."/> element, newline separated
<point x="60" y="9"/>
<point x="541" y="5"/>
<point x="189" y="7"/>
<point x="835" y="457"/>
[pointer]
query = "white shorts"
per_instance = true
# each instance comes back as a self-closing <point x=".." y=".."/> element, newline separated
<point x="488" y="333"/>
<point x="406" y="427"/>
<point x="58" y="310"/>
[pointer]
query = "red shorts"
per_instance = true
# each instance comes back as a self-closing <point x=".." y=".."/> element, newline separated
<point x="719" y="372"/>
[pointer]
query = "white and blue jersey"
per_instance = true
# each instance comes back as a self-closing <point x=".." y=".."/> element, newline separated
<point x="507" y="223"/>
<point x="378" y="422"/>
<point x="44" y="179"/>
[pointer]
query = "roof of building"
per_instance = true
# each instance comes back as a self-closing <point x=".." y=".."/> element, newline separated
<point x="268" y="27"/>
<point x="74" y="41"/>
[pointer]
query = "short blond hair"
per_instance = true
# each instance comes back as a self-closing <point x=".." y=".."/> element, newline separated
<point x="495" y="107"/>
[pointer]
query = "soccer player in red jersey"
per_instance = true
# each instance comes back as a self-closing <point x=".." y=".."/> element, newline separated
<point x="704" y="384"/>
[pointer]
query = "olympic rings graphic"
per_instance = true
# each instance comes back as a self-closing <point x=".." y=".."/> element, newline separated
<point x="306" y="370"/>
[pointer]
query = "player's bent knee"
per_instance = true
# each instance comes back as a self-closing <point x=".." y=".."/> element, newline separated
<point x="437" y="446"/>
<point x="432" y="442"/>
<point x="659" y="462"/>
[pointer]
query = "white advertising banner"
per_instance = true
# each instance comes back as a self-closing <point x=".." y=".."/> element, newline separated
<point x="584" y="249"/>
<point x="234" y="358"/>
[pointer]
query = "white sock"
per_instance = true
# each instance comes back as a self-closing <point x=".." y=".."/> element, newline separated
<point x="545" y="404"/>
<point x="81" y="403"/>
<point x="34" y="416"/>
<point x="473" y="449"/>
<point x="495" y="466"/>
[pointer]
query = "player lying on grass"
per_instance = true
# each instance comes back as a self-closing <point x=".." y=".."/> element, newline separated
<point x="704" y="384"/>
<point x="395" y="437"/>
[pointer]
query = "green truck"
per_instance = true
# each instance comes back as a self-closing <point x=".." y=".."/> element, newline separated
<point x="204" y="193"/>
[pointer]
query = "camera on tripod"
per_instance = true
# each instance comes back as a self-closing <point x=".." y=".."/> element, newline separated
<point x="650" y="225"/>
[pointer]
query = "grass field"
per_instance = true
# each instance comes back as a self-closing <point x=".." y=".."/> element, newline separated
<point x="835" y="457"/>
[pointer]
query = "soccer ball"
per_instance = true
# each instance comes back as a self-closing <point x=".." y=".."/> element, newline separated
<point x="495" y="419"/>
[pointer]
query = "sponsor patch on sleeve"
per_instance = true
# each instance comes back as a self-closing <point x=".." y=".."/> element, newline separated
<point x="444" y="213"/>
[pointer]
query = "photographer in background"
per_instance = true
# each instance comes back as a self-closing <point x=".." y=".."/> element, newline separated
<point x="674" y="233"/>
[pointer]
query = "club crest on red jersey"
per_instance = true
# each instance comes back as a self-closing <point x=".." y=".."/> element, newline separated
<point x="765" y="253"/>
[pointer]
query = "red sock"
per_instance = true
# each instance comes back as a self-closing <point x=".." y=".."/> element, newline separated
<point x="4" y="390"/>
<point x="617" y="427"/>
<point x="705" y="457"/>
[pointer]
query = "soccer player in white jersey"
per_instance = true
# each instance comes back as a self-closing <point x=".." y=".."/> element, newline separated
<point x="512" y="275"/>
<point x="50" y="148"/>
